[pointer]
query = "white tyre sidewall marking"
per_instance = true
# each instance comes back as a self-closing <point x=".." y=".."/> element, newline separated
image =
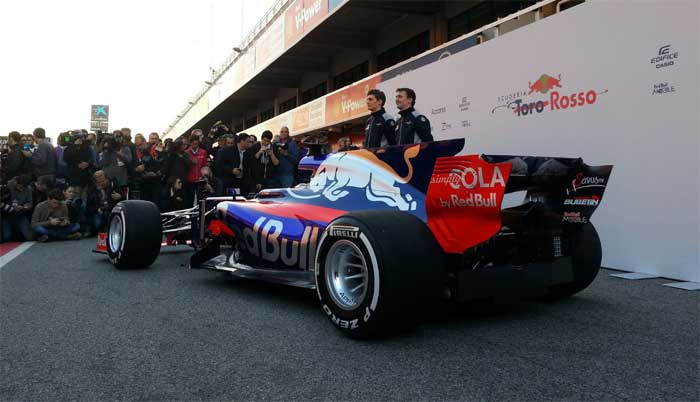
<point x="118" y="253"/>
<point x="373" y="258"/>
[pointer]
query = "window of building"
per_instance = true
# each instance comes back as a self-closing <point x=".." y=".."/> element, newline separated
<point x="412" y="47"/>
<point x="288" y="105"/>
<point x="267" y="114"/>
<point x="483" y="14"/>
<point x="314" y="93"/>
<point x="251" y="121"/>
<point x="354" y="74"/>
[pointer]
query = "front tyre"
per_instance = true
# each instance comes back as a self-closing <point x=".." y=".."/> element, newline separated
<point x="377" y="271"/>
<point x="134" y="234"/>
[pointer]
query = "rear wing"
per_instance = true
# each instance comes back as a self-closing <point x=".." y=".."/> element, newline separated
<point x="463" y="201"/>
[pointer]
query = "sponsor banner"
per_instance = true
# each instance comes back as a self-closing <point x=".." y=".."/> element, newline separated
<point x="349" y="102"/>
<point x="300" y="118"/>
<point x="99" y="112"/>
<point x="301" y="17"/>
<point x="270" y="44"/>
<point x="631" y="102"/>
<point x="99" y="118"/>
<point x="317" y="113"/>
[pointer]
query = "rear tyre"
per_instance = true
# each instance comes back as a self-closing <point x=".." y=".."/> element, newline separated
<point x="586" y="256"/>
<point x="134" y="234"/>
<point x="378" y="272"/>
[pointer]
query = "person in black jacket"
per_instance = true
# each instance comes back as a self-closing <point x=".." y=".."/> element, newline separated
<point x="381" y="127"/>
<point x="174" y="195"/>
<point x="178" y="163"/>
<point x="148" y="174"/>
<point x="412" y="126"/>
<point x="266" y="161"/>
<point x="18" y="159"/>
<point x="237" y="166"/>
<point x="77" y="157"/>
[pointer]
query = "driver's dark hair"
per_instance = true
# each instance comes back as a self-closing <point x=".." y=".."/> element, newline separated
<point x="377" y="94"/>
<point x="55" y="194"/>
<point x="242" y="137"/>
<point x="409" y="93"/>
<point x="266" y="134"/>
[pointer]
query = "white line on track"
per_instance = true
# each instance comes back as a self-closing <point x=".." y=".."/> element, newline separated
<point x="5" y="259"/>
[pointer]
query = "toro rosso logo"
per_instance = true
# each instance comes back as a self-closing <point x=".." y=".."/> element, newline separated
<point x="547" y="84"/>
<point x="343" y="174"/>
<point x="544" y="84"/>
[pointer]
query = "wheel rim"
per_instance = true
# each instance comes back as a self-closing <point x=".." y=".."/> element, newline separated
<point x="346" y="274"/>
<point x="115" y="233"/>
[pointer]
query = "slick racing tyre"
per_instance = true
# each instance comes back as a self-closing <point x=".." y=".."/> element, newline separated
<point x="586" y="256"/>
<point x="377" y="271"/>
<point x="134" y="234"/>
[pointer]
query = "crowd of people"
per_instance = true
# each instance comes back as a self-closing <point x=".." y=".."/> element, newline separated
<point x="68" y="191"/>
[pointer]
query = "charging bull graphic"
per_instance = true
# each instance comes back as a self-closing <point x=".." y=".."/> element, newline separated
<point x="544" y="84"/>
<point x="344" y="172"/>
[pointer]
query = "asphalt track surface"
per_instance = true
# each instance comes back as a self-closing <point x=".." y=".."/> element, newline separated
<point x="76" y="329"/>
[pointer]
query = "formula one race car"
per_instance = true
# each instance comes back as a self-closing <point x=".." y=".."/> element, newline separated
<point x="384" y="234"/>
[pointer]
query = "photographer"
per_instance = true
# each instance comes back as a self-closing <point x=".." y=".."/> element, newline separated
<point x="114" y="160"/>
<point x="51" y="221"/>
<point x="19" y="157"/>
<point x="77" y="156"/>
<point x="208" y="185"/>
<point x="76" y="208"/>
<point x="178" y="163"/>
<point x="102" y="197"/>
<point x="16" y="209"/>
<point x="147" y="172"/>
<point x="40" y="188"/>
<point x="267" y="158"/>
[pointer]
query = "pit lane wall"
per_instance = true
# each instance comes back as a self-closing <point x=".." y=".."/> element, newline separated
<point x="612" y="82"/>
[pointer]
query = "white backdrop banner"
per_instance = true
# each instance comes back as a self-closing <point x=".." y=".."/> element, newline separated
<point x="611" y="82"/>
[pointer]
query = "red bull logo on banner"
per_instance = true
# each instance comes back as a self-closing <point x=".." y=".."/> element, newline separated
<point x="557" y="100"/>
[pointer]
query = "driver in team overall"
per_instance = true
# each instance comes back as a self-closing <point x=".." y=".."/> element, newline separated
<point x="412" y="127"/>
<point x="381" y="127"/>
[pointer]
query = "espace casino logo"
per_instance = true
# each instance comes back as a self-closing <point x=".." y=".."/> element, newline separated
<point x="557" y="98"/>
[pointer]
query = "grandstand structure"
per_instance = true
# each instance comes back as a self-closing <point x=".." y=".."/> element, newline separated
<point x="308" y="63"/>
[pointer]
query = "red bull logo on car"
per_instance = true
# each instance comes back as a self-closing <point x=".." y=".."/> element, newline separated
<point x="557" y="100"/>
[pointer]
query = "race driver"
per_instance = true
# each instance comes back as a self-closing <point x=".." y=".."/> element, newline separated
<point x="412" y="126"/>
<point x="381" y="127"/>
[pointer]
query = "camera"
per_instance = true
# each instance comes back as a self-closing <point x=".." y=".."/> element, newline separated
<point x="217" y="130"/>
